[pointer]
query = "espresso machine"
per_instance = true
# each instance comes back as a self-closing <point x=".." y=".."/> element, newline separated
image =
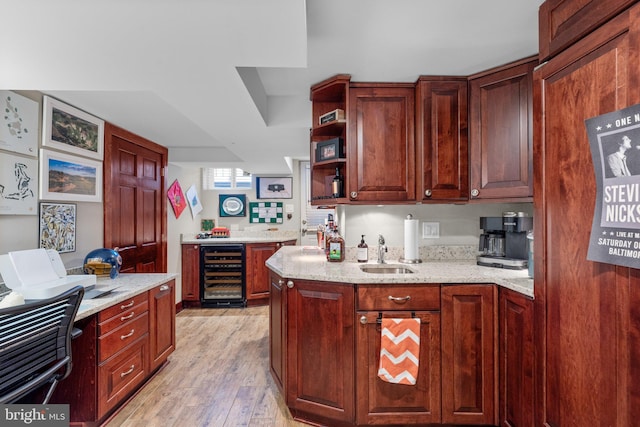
<point x="504" y="242"/>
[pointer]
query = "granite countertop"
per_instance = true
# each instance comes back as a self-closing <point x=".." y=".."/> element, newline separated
<point x="296" y="262"/>
<point x="128" y="285"/>
<point x="239" y="237"/>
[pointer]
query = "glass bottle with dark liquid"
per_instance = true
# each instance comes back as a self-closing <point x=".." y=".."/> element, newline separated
<point x="337" y="185"/>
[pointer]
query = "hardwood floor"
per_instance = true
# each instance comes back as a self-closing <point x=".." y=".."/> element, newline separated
<point x="217" y="376"/>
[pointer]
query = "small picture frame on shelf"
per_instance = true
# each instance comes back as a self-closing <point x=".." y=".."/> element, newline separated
<point x="330" y="149"/>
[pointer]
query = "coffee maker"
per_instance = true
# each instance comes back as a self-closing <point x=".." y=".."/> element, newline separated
<point x="504" y="243"/>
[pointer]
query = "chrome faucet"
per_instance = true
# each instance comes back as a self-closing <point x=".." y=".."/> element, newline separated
<point x="382" y="248"/>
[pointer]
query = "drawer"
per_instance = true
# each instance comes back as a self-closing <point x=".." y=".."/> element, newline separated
<point x="399" y="297"/>
<point x="111" y="343"/>
<point x="121" y="375"/>
<point x="124" y="316"/>
<point x="122" y="307"/>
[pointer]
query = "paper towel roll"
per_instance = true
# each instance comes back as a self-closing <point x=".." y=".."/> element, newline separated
<point x="411" y="239"/>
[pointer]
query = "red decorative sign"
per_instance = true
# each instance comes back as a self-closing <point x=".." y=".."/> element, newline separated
<point x="177" y="199"/>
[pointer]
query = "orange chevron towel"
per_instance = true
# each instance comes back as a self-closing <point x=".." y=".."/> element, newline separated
<point x="399" y="350"/>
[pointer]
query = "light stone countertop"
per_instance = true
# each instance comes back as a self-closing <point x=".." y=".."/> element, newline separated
<point x="129" y="284"/>
<point x="307" y="263"/>
<point x="242" y="237"/>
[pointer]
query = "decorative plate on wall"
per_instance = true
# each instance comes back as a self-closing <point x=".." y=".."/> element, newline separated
<point x="232" y="204"/>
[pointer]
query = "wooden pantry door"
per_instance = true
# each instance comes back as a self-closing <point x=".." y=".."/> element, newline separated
<point x="134" y="200"/>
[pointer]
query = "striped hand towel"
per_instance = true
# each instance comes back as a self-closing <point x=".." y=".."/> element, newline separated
<point x="399" y="350"/>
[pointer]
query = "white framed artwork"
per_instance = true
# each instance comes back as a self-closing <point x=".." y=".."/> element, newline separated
<point x="72" y="130"/>
<point x="18" y="185"/>
<point x="19" y="126"/>
<point x="69" y="178"/>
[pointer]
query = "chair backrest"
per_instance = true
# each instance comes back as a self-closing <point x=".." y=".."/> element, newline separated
<point x="35" y="343"/>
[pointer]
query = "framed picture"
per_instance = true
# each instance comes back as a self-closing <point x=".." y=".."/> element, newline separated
<point x="330" y="149"/>
<point x="68" y="129"/>
<point x="18" y="185"/>
<point x="19" y="126"/>
<point x="232" y="204"/>
<point x="194" y="201"/>
<point x="69" y="178"/>
<point x="58" y="226"/>
<point x="274" y="188"/>
<point x="265" y="212"/>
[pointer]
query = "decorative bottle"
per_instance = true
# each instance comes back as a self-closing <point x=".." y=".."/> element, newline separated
<point x="336" y="246"/>
<point x="337" y="185"/>
<point x="363" y="251"/>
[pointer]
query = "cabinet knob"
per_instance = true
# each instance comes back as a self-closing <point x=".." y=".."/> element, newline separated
<point x="354" y="194"/>
<point x="164" y="288"/>
<point x="280" y="282"/>
<point x="363" y="320"/>
<point x="427" y="193"/>
<point x="290" y="284"/>
<point x="475" y="192"/>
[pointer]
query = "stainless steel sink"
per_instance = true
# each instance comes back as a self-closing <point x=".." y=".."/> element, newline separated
<point x="386" y="269"/>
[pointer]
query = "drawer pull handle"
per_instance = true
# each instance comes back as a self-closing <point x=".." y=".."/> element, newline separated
<point x="123" y="318"/>
<point x="399" y="299"/>
<point x="122" y="337"/>
<point x="124" y="374"/>
<point x="122" y="307"/>
<point x="164" y="288"/>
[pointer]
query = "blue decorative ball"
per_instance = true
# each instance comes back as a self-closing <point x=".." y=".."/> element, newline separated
<point x="103" y="262"/>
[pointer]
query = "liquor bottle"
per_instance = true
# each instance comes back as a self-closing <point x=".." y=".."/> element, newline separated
<point x="337" y="185"/>
<point x="363" y="251"/>
<point x="336" y="246"/>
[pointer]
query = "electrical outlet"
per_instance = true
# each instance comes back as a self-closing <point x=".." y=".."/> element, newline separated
<point x="430" y="230"/>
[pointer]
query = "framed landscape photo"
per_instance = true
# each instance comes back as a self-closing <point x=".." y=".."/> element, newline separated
<point x="274" y="188"/>
<point x="72" y="130"/>
<point x="70" y="178"/>
<point x="58" y="226"/>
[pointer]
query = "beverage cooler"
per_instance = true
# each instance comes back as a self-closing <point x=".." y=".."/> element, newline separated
<point x="222" y="276"/>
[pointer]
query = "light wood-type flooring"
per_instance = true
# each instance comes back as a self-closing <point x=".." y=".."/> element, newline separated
<point x="218" y="376"/>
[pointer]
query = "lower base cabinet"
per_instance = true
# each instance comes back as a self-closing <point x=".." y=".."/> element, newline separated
<point x="380" y="402"/>
<point x="516" y="360"/>
<point x="320" y="358"/>
<point x="469" y="354"/>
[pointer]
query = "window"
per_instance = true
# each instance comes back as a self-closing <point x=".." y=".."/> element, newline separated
<point x="225" y="178"/>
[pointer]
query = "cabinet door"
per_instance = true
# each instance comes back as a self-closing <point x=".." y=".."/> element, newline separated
<point x="277" y="329"/>
<point x="500" y="133"/>
<point x="381" y="143"/>
<point x="516" y="359"/>
<point x="380" y="402"/>
<point x="469" y="368"/>
<point x="162" y="323"/>
<point x="257" y="273"/>
<point x="191" y="272"/>
<point x="320" y="350"/>
<point x="442" y="142"/>
<point x="582" y="318"/>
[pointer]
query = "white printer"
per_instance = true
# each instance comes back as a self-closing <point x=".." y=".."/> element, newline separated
<point x="39" y="274"/>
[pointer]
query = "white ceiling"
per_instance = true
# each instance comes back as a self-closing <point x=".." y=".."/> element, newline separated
<point x="226" y="82"/>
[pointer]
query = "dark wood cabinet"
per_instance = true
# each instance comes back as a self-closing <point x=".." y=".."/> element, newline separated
<point x="278" y="329"/>
<point x="563" y="22"/>
<point x="381" y="143"/>
<point x="469" y="355"/>
<point x="320" y="351"/>
<point x="380" y="402"/>
<point x="501" y="133"/>
<point x="162" y="323"/>
<point x="587" y="325"/>
<point x="257" y="274"/>
<point x="327" y="96"/>
<point x="442" y="139"/>
<point x="516" y="359"/>
<point x="191" y="274"/>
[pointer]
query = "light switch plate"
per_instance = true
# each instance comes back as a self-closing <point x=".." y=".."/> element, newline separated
<point x="430" y="230"/>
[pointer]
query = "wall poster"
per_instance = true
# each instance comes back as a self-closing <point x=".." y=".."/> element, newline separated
<point x="615" y="148"/>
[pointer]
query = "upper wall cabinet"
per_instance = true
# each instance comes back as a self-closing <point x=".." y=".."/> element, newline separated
<point x="500" y="132"/>
<point x="441" y="139"/>
<point x="329" y="100"/>
<point x="381" y="142"/>
<point x="563" y="22"/>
